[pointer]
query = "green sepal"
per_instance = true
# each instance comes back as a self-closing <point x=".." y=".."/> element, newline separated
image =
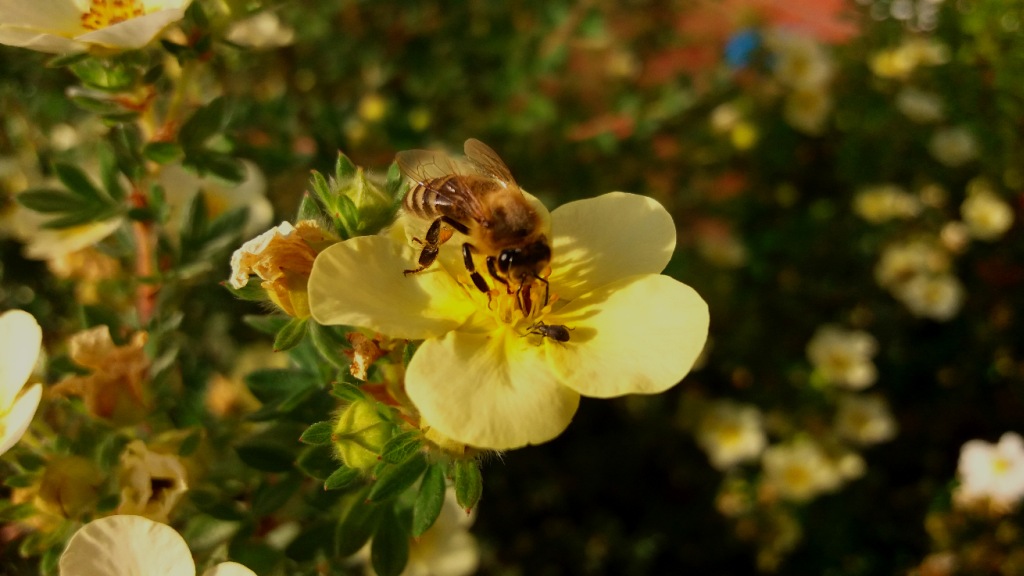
<point x="395" y="479"/>
<point x="252" y="291"/>
<point x="318" y="434"/>
<point x="341" y="478"/>
<point x="344" y="168"/>
<point x="393" y="184"/>
<point x="310" y="209"/>
<point x="329" y="345"/>
<point x="66" y="59"/>
<point x="291" y="335"/>
<point x="389" y="551"/>
<point x="268" y="324"/>
<point x="429" y="500"/>
<point x="401" y="446"/>
<point x="163" y="152"/>
<point x="469" y="483"/>
<point x="347" y="391"/>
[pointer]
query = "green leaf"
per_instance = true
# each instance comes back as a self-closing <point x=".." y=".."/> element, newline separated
<point x="163" y="152"/>
<point x="110" y="174"/>
<point x="396" y="479"/>
<point x="278" y="383"/>
<point x="78" y="183"/>
<point x="19" y="480"/>
<point x="271" y="496"/>
<point x="318" y="434"/>
<point x="329" y="345"/>
<point x="317" y="462"/>
<point x="290" y="336"/>
<point x="272" y="450"/>
<point x="93" y="214"/>
<point x="401" y="446"/>
<point x="429" y="500"/>
<point x="193" y="229"/>
<point x="356" y="527"/>
<point x="347" y="391"/>
<point x="190" y="444"/>
<point x="309" y="209"/>
<point x="469" y="484"/>
<point x="271" y="324"/>
<point x="204" y="123"/>
<point x="31" y="462"/>
<point x="341" y="478"/>
<point x="252" y="291"/>
<point x="49" y="201"/>
<point x="127" y="141"/>
<point x="389" y="551"/>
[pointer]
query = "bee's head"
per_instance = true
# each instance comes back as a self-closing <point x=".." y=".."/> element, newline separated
<point x="525" y="264"/>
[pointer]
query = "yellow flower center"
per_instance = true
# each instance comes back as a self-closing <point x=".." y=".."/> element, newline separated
<point x="514" y="308"/>
<point x="104" y="13"/>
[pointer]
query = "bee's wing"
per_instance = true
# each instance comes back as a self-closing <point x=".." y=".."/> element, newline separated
<point x="431" y="171"/>
<point x="487" y="162"/>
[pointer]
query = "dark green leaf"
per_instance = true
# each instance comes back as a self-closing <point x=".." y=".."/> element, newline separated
<point x="92" y="214"/>
<point x="329" y="345"/>
<point x="163" y="152"/>
<point x="49" y="201"/>
<point x="271" y="496"/>
<point x="127" y="141"/>
<point x="389" y="551"/>
<point x="78" y="183"/>
<point x="110" y="174"/>
<point x="397" y="478"/>
<point x="317" y="462"/>
<point x="273" y="450"/>
<point x="401" y="446"/>
<point x="19" y="480"/>
<point x="190" y="444"/>
<point x="347" y="391"/>
<point x="203" y="124"/>
<point x="341" y="478"/>
<point x="223" y="166"/>
<point x="469" y="484"/>
<point x="30" y="461"/>
<point x="290" y="336"/>
<point x="271" y="324"/>
<point x="278" y="383"/>
<point x="356" y="527"/>
<point x="193" y="229"/>
<point x="318" y="434"/>
<point x="429" y="500"/>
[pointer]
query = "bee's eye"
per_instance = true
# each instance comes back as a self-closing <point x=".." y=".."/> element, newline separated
<point x="505" y="259"/>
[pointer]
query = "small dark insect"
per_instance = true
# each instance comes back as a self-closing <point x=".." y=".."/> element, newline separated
<point x="557" y="332"/>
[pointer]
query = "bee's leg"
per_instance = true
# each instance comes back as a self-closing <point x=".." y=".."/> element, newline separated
<point x="431" y="245"/>
<point x="467" y="259"/>
<point x="492" y="269"/>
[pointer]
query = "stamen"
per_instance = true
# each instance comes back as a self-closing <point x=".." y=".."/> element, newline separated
<point x="104" y="13"/>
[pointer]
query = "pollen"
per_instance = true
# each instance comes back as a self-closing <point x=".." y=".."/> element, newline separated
<point x="104" y="13"/>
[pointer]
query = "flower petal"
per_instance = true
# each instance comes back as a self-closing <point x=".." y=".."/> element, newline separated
<point x="134" y="33"/>
<point x="41" y="42"/>
<point x="491" y="390"/>
<point x="229" y="569"/>
<point x="359" y="282"/>
<point x="602" y="239"/>
<point x="639" y="335"/>
<point x="126" y="546"/>
<point x="16" y="421"/>
<point x="51" y="16"/>
<point x="20" y="341"/>
<point x="47" y="244"/>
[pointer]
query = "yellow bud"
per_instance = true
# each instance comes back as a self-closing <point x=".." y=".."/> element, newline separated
<point x="69" y="486"/>
<point x="743" y="135"/>
<point x="360" y="433"/>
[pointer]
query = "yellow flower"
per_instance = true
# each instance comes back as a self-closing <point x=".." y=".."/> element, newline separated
<point x="480" y="377"/>
<point x="76" y="25"/>
<point x="126" y="545"/>
<point x="20" y="342"/>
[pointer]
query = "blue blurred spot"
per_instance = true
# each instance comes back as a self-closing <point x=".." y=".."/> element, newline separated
<point x="741" y="46"/>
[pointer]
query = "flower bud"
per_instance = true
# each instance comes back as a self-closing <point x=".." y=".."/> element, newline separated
<point x="69" y="486"/>
<point x="360" y="433"/>
<point x="283" y="258"/>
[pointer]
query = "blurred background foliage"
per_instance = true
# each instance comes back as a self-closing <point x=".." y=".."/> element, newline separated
<point x="581" y="98"/>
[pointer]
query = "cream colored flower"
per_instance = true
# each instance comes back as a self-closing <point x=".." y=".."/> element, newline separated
<point x="954" y="146"/>
<point x="76" y="25"/>
<point x="986" y="215"/>
<point x="807" y="109"/>
<point x="181" y="186"/>
<point x="903" y="261"/>
<point x="151" y="483"/>
<point x="800" y="62"/>
<point x="282" y="258"/>
<point x="843" y="357"/>
<point x="991" y="475"/>
<point x="126" y="545"/>
<point x="865" y="419"/>
<point x="480" y="378"/>
<point x="447" y="548"/>
<point x="799" y="471"/>
<point x="937" y="297"/>
<point x="731" y="433"/>
<point x="53" y="244"/>
<point x="912" y="53"/>
<point x="920" y="106"/>
<point x="20" y="342"/>
<point x="884" y="202"/>
<point x="261" y="31"/>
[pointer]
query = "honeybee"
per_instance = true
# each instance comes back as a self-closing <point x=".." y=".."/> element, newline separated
<point x="479" y="199"/>
<point x="557" y="332"/>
